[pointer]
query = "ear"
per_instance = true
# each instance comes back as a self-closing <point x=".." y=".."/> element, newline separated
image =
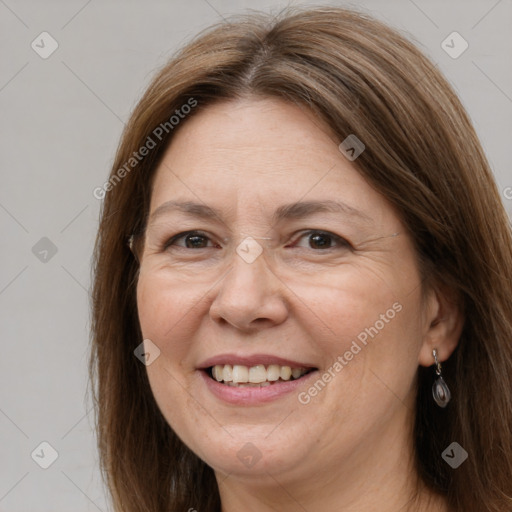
<point x="443" y="321"/>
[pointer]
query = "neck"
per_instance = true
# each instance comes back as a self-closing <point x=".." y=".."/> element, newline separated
<point x="329" y="497"/>
<point x="380" y="476"/>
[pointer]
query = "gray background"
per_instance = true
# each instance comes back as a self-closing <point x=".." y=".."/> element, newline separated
<point x="61" y="121"/>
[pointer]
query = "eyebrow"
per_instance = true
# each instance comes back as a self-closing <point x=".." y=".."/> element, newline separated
<point x="298" y="210"/>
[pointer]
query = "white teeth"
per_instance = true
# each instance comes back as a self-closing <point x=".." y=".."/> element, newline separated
<point x="257" y="374"/>
<point x="273" y="372"/>
<point x="227" y="373"/>
<point x="296" y="373"/>
<point x="240" y="373"/>
<point x="254" y="376"/>
<point x="217" y="373"/>
<point x="248" y="385"/>
<point x="286" y="372"/>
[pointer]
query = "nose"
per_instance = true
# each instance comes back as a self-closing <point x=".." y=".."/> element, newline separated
<point x="250" y="296"/>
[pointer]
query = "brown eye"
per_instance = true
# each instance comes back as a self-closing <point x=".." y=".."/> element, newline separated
<point x="193" y="240"/>
<point x="321" y="240"/>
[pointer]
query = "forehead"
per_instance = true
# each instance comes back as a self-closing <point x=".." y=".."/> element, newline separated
<point x="255" y="152"/>
<point x="264" y="130"/>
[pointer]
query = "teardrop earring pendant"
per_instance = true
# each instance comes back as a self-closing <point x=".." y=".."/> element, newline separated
<point x="440" y="390"/>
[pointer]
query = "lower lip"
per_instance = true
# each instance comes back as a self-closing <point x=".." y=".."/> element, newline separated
<point x="253" y="396"/>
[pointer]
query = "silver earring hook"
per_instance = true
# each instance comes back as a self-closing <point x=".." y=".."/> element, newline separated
<point x="440" y="390"/>
<point x="437" y="363"/>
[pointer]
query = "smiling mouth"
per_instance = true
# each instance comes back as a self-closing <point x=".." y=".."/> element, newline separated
<point x="255" y="376"/>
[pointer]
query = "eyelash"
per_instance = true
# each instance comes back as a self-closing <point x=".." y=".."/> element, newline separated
<point x="342" y="242"/>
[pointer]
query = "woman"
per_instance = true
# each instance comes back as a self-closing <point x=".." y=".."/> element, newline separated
<point x="302" y="282"/>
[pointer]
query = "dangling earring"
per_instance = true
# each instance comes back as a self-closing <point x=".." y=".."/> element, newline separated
<point x="131" y="245"/>
<point x="440" y="390"/>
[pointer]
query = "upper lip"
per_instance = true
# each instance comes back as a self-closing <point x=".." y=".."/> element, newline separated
<point x="251" y="360"/>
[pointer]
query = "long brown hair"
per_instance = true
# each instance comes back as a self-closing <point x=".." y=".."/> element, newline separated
<point x="422" y="153"/>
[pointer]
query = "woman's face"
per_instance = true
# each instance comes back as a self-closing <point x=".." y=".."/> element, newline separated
<point x="273" y="281"/>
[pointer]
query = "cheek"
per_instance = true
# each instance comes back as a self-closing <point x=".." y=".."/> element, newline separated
<point x="346" y="307"/>
<point x="166" y="317"/>
<point x="165" y="309"/>
<point x="367" y="325"/>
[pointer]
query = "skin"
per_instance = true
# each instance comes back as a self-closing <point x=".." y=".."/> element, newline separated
<point x="350" y="447"/>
